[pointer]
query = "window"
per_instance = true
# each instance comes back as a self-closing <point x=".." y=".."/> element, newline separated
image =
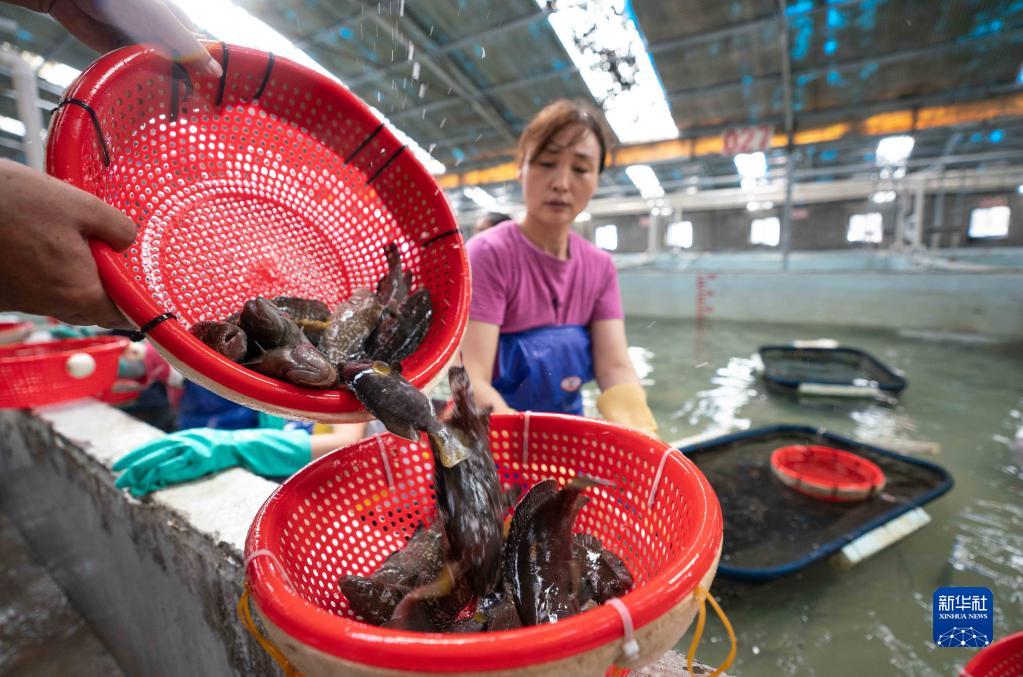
<point x="765" y="231"/>
<point x="989" y="222"/>
<point x="680" y="234"/>
<point x="865" y="227"/>
<point x="606" y="237"/>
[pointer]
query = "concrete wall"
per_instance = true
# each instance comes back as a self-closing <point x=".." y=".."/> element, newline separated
<point x="983" y="303"/>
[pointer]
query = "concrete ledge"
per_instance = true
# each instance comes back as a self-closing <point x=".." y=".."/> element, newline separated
<point x="157" y="580"/>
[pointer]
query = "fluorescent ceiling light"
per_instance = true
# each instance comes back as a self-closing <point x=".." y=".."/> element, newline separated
<point x="894" y="150"/>
<point x="12" y="126"/>
<point x="645" y="179"/>
<point x="583" y="217"/>
<point x="481" y="198"/>
<point x="1019" y="189"/>
<point x="606" y="237"/>
<point x="759" y="206"/>
<point x="59" y="74"/>
<point x="751" y="165"/>
<point x="883" y="196"/>
<point x="226" y="21"/>
<point x="603" y="41"/>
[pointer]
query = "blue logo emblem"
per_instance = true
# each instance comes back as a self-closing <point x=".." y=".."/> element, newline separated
<point x="963" y="617"/>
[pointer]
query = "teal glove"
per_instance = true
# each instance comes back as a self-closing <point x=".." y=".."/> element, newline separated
<point x="189" y="454"/>
<point x="70" y="331"/>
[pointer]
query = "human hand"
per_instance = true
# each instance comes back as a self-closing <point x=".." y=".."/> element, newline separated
<point x="625" y="403"/>
<point x="104" y="25"/>
<point x="190" y="454"/>
<point x="48" y="268"/>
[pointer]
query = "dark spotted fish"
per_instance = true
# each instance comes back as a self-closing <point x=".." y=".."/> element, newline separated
<point x="309" y="314"/>
<point x="394" y="286"/>
<point x="226" y="338"/>
<point x="543" y="575"/>
<point x="418" y="562"/>
<point x="604" y="575"/>
<point x="267" y="327"/>
<point x="348" y="327"/>
<point x="399" y="334"/>
<point x="433" y="607"/>
<point x="301" y="365"/>
<point x="404" y="410"/>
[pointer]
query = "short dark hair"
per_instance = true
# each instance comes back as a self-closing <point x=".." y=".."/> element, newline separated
<point x="496" y="217"/>
<point x="552" y="119"/>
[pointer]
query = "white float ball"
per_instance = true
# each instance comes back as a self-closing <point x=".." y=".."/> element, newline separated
<point x="81" y="365"/>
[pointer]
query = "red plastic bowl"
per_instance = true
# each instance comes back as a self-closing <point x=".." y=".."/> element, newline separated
<point x="347" y="511"/>
<point x="35" y="374"/>
<point x="1003" y="658"/>
<point x="273" y="180"/>
<point x="827" y="473"/>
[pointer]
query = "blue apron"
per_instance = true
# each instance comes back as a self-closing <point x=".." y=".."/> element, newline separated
<point x="543" y="369"/>
<point x="202" y="408"/>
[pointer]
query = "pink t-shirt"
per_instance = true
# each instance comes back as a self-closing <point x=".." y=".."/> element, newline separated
<point x="517" y="286"/>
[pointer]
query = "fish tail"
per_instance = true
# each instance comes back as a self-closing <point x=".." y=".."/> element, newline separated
<point x="448" y="449"/>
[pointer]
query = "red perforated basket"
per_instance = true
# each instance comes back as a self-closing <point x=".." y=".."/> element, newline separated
<point x="827" y="473"/>
<point x="14" y="332"/>
<point x="34" y="374"/>
<point x="346" y="512"/>
<point x="272" y="180"/>
<point x="1003" y="658"/>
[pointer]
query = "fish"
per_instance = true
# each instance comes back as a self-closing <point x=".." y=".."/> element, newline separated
<point x="301" y="365"/>
<point x="470" y="501"/>
<point x="349" y="326"/>
<point x="604" y="574"/>
<point x="267" y="327"/>
<point x="226" y="338"/>
<point x="394" y="286"/>
<point x="543" y="575"/>
<point x="401" y="407"/>
<point x="498" y="612"/>
<point x="435" y="606"/>
<point x="419" y="561"/>
<point x="399" y="334"/>
<point x="309" y="314"/>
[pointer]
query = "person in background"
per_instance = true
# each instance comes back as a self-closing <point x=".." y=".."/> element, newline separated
<point x="546" y="313"/>
<point x="45" y="224"/>
<point x="489" y="220"/>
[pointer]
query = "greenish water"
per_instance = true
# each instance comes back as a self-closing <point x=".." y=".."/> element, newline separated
<point x="875" y="619"/>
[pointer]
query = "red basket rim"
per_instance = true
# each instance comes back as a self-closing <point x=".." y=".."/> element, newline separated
<point x="993" y="654"/>
<point x="17" y="324"/>
<point x="783" y="456"/>
<point x="399" y="650"/>
<point x="94" y="345"/>
<point x="64" y="160"/>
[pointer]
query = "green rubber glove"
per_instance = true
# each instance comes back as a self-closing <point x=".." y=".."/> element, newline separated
<point x="190" y="454"/>
<point x="70" y="331"/>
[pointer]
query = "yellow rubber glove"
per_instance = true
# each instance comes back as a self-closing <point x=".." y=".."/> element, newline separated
<point x="625" y="403"/>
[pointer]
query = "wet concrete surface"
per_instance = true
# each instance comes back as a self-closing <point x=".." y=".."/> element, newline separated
<point x="40" y="634"/>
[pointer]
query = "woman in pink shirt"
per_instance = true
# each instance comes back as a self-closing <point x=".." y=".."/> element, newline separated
<point x="546" y="314"/>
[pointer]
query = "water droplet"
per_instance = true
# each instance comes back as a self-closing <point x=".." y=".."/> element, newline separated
<point x="443" y="122"/>
<point x="483" y="52"/>
<point x="756" y="651"/>
<point x="415" y="70"/>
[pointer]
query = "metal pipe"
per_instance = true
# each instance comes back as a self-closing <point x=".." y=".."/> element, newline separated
<point x="790" y="156"/>
<point x="24" y="79"/>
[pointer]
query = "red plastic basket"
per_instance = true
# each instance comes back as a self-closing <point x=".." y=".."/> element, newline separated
<point x="1003" y="658"/>
<point x="827" y="473"/>
<point x="346" y="512"/>
<point x="272" y="180"/>
<point x="34" y="374"/>
<point x="14" y="332"/>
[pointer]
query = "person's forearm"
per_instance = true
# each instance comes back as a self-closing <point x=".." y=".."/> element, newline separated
<point x="324" y="443"/>
<point x="616" y="374"/>
<point x="487" y="396"/>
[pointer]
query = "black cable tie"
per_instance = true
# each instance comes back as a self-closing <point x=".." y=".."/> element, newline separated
<point x="364" y="143"/>
<point x="140" y="334"/>
<point x="433" y="239"/>
<point x="266" y="77"/>
<point x="95" y="124"/>
<point x="223" y="74"/>
<point x="384" y="166"/>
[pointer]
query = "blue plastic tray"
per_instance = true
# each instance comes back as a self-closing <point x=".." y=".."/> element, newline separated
<point x="773" y="531"/>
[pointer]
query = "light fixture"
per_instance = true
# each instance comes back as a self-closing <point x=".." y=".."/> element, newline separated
<point x="645" y="180"/>
<point x="1019" y="189"/>
<point x="751" y="165"/>
<point x="228" y="22"/>
<point x="883" y="196"/>
<point x="894" y="150"/>
<point x="603" y="41"/>
<point x="759" y="206"/>
<point x="583" y="217"/>
<point x="481" y="197"/>
<point x="12" y="126"/>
